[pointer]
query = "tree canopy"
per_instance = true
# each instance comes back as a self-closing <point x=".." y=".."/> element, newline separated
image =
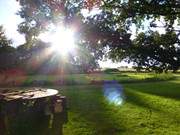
<point x="114" y="29"/>
<point x="109" y="33"/>
<point x="154" y="51"/>
<point x="7" y="58"/>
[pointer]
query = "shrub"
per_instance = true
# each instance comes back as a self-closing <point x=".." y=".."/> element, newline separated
<point x="111" y="70"/>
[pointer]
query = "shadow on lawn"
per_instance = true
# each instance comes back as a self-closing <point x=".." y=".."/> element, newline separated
<point x="89" y="113"/>
<point x="163" y="89"/>
<point x="142" y="97"/>
<point x="88" y="108"/>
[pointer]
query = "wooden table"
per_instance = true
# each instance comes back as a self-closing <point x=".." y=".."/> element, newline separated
<point x="34" y="101"/>
<point x="35" y="93"/>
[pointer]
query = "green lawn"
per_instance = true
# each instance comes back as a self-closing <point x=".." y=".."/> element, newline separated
<point x="148" y="108"/>
<point x="151" y="104"/>
<point x="83" y="79"/>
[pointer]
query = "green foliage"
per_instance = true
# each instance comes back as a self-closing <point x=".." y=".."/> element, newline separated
<point x="114" y="24"/>
<point x="40" y="15"/>
<point x="154" y="51"/>
<point x="7" y="52"/>
<point x="135" y="11"/>
<point x="110" y="70"/>
<point x="109" y="32"/>
<point x="4" y="41"/>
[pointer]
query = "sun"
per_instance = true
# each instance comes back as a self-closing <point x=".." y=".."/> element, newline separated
<point x="61" y="39"/>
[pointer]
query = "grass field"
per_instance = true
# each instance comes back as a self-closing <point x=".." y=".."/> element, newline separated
<point x="148" y="108"/>
<point x="82" y="79"/>
<point x="151" y="104"/>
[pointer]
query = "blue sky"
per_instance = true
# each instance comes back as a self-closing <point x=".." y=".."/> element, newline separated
<point x="9" y="19"/>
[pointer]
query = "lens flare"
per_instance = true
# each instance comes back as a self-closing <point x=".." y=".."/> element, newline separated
<point x="113" y="92"/>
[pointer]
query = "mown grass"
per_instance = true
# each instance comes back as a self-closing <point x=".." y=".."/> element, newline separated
<point x="83" y="79"/>
<point x="151" y="104"/>
<point x="148" y="108"/>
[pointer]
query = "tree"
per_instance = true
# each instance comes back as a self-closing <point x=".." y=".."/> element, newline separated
<point x="116" y="20"/>
<point x="154" y="51"/>
<point x="7" y="52"/>
<point x="85" y="60"/>
<point x="4" y="41"/>
<point x="39" y="15"/>
<point x="135" y="11"/>
<point x="109" y="33"/>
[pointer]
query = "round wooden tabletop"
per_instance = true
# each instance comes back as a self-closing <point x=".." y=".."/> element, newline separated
<point x="34" y="93"/>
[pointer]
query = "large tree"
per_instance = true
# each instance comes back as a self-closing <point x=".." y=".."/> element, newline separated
<point x="110" y="32"/>
<point x="154" y="51"/>
<point x="40" y="15"/>
<point x="113" y="29"/>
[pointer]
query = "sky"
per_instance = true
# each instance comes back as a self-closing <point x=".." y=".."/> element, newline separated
<point x="9" y="20"/>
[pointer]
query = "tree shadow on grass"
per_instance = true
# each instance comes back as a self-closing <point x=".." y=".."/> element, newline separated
<point x="157" y="105"/>
<point x="134" y="98"/>
<point x="89" y="114"/>
<point x="121" y="75"/>
<point x="90" y="107"/>
<point x="164" y="89"/>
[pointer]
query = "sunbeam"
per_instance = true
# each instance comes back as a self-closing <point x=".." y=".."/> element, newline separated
<point x="61" y="39"/>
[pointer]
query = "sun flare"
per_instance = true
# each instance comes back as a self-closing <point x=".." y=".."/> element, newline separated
<point x="61" y="39"/>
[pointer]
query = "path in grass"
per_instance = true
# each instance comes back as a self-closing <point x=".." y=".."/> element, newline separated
<point x="149" y="108"/>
